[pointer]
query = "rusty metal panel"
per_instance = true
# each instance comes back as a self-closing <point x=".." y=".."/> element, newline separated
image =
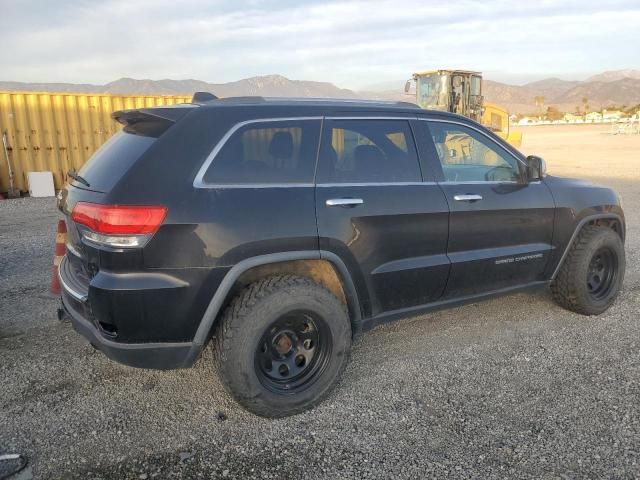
<point x="59" y="131"/>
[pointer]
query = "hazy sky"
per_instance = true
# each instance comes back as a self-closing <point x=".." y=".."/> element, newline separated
<point x="350" y="43"/>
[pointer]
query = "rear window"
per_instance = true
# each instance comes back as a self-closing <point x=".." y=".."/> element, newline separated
<point x="112" y="160"/>
<point x="269" y="152"/>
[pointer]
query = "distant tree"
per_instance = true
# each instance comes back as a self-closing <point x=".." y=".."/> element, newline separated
<point x="553" y="113"/>
<point x="633" y="109"/>
<point x="585" y="102"/>
<point x="577" y="111"/>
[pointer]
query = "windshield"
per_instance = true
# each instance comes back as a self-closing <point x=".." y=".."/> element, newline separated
<point x="476" y="83"/>
<point x="432" y="91"/>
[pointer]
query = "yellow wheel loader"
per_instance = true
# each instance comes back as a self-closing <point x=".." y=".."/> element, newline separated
<point x="460" y="91"/>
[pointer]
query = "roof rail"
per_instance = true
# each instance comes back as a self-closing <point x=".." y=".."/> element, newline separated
<point x="206" y="97"/>
<point x="344" y="100"/>
<point x="408" y="104"/>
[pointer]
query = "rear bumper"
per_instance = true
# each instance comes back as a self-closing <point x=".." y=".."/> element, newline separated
<point x="160" y="355"/>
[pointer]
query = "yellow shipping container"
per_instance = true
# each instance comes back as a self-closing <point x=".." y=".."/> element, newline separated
<point x="59" y="131"/>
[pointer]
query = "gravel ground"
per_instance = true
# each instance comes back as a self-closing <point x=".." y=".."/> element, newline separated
<point x="515" y="387"/>
<point x="27" y="238"/>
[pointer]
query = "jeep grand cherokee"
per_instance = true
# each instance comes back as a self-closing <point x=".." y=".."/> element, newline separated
<point x="282" y="228"/>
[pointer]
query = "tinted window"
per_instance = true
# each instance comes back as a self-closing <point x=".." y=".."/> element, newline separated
<point x="268" y="152"/>
<point x="466" y="155"/>
<point x="367" y="151"/>
<point x="111" y="161"/>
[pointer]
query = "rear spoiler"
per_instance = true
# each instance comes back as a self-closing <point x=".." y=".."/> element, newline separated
<point x="203" y="97"/>
<point x="150" y="122"/>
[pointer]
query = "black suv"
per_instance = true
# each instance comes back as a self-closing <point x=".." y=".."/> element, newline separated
<point x="281" y="228"/>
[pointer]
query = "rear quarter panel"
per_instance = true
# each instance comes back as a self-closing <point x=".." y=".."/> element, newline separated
<point x="206" y="231"/>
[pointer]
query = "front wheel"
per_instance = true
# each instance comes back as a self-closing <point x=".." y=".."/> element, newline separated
<point x="591" y="276"/>
<point x="282" y="345"/>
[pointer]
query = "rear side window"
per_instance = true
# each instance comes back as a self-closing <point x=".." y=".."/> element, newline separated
<point x="368" y="151"/>
<point x="112" y="160"/>
<point x="267" y="152"/>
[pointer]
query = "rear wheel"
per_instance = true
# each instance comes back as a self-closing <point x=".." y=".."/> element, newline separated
<point x="282" y="345"/>
<point x="591" y="275"/>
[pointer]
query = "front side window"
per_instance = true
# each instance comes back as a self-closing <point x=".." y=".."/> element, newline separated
<point x="466" y="155"/>
<point x="267" y="152"/>
<point x="368" y="151"/>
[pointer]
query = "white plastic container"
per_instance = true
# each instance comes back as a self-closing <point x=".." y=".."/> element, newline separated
<point x="40" y="184"/>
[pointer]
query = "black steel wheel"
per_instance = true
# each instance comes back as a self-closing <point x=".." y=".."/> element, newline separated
<point x="282" y="345"/>
<point x="601" y="273"/>
<point x="293" y="352"/>
<point x="591" y="276"/>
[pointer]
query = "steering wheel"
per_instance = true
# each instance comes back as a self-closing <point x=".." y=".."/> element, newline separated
<point x="499" y="174"/>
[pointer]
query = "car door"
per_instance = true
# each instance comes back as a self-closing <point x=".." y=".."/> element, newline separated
<point x="377" y="214"/>
<point x="263" y="168"/>
<point x="501" y="225"/>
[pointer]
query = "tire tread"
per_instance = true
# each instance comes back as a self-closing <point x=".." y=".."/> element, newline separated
<point x="242" y="306"/>
<point x="565" y="288"/>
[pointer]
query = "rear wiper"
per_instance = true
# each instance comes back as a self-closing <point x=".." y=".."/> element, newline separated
<point x="72" y="173"/>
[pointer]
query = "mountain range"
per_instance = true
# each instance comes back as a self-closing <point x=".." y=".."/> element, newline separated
<point x="620" y="87"/>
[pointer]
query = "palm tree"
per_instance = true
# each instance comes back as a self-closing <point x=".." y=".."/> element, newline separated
<point x="539" y="102"/>
<point x="585" y="102"/>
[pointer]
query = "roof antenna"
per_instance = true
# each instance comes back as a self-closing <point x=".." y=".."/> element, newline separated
<point x="201" y="97"/>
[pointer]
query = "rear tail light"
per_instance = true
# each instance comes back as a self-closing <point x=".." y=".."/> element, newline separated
<point x="118" y="225"/>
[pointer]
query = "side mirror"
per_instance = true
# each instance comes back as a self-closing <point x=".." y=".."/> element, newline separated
<point x="536" y="168"/>
<point x="407" y="86"/>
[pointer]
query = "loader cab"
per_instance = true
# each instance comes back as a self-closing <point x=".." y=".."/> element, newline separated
<point x="456" y="91"/>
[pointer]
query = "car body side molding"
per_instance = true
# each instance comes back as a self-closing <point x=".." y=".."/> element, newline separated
<point x="394" y="315"/>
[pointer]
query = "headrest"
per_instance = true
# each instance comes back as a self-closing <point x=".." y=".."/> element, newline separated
<point x="281" y="145"/>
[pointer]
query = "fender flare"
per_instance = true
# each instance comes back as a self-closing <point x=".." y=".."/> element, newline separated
<point x="576" y="231"/>
<point x="211" y="313"/>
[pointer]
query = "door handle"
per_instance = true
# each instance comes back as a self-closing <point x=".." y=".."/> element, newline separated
<point x="344" y="202"/>
<point x="467" y="198"/>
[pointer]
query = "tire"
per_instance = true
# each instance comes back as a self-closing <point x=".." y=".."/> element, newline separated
<point x="576" y="286"/>
<point x="282" y="345"/>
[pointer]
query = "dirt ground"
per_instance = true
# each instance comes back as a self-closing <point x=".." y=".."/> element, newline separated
<point x="515" y="387"/>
